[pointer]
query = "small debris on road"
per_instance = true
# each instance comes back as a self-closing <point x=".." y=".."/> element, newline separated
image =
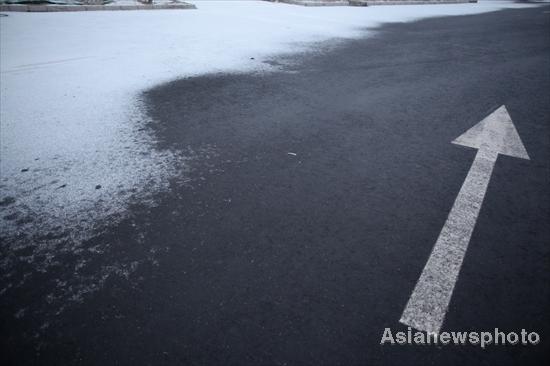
<point x="7" y="201"/>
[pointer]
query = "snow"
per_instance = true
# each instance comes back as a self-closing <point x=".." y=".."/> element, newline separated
<point x="71" y="118"/>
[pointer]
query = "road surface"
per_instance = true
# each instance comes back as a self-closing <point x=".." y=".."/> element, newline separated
<point x="318" y="195"/>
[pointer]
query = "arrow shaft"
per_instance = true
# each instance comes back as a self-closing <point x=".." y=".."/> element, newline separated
<point x="428" y="303"/>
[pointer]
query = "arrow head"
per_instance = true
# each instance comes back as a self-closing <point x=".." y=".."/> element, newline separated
<point x="495" y="133"/>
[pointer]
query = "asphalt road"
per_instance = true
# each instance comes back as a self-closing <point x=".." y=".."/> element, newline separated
<point x="305" y="258"/>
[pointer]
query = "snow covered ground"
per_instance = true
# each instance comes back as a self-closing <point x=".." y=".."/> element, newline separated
<point x="74" y="152"/>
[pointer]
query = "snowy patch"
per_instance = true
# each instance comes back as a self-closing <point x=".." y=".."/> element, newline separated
<point x="74" y="148"/>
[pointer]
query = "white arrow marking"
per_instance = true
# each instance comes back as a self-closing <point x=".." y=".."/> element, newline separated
<point x="428" y="303"/>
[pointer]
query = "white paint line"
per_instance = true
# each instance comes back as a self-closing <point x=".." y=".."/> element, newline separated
<point x="430" y="299"/>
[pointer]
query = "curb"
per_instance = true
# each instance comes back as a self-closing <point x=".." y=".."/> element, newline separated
<point x="55" y="8"/>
